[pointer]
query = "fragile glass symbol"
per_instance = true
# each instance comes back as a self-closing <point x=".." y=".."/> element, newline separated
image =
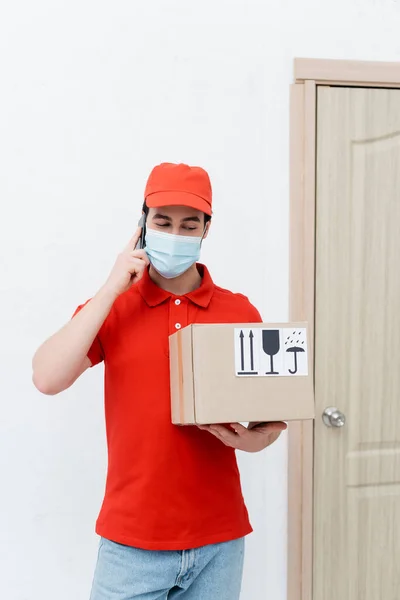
<point x="271" y="346"/>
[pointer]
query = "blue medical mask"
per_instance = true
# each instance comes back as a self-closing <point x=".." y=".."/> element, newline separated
<point x="171" y="255"/>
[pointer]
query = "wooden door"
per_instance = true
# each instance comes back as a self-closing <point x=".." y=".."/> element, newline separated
<point x="357" y="345"/>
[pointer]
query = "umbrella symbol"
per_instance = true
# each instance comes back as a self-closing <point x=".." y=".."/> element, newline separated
<point x="294" y="350"/>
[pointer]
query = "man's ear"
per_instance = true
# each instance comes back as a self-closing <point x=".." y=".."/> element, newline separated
<point x="206" y="230"/>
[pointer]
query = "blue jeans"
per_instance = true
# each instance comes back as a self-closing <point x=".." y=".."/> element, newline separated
<point x="211" y="572"/>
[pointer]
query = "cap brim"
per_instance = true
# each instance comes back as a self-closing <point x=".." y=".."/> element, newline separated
<point x="178" y="199"/>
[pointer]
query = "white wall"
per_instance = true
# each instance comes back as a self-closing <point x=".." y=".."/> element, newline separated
<point x="93" y="94"/>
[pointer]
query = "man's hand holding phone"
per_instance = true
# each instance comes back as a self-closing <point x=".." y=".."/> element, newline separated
<point x="129" y="267"/>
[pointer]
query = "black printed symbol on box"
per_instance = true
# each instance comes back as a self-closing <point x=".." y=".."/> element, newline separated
<point x="294" y="350"/>
<point x="251" y="354"/>
<point x="270" y="352"/>
<point x="271" y="346"/>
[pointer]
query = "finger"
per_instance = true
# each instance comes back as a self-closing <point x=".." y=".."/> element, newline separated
<point x="207" y="428"/>
<point x="131" y="245"/>
<point x="272" y="437"/>
<point x="136" y="265"/>
<point x="220" y="438"/>
<point x="277" y="425"/>
<point x="239" y="429"/>
<point x="142" y="254"/>
<point x="271" y="427"/>
<point x="214" y="433"/>
<point x="226" y="434"/>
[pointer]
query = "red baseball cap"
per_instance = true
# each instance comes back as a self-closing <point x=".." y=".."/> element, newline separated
<point x="171" y="184"/>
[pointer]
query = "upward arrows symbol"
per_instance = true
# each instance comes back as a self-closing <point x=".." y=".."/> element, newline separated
<point x="251" y="336"/>
<point x="242" y="349"/>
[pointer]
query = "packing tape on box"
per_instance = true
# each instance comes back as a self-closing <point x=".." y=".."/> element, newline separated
<point x="180" y="375"/>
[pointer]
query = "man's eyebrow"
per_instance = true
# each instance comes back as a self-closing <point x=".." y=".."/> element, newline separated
<point x="160" y="216"/>
<point x="185" y="220"/>
<point x="191" y="219"/>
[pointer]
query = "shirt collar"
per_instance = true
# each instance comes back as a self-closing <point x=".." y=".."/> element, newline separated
<point x="154" y="295"/>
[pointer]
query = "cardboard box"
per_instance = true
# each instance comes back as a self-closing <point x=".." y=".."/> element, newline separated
<point x="227" y="373"/>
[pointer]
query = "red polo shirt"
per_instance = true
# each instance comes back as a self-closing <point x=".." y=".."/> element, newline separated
<point x="168" y="487"/>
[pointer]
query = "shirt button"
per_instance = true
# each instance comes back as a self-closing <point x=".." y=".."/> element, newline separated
<point x="177" y="302"/>
<point x="178" y="325"/>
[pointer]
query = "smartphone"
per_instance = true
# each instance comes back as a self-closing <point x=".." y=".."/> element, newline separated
<point x="142" y="240"/>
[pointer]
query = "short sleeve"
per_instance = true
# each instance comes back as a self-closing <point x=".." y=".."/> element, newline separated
<point x="96" y="351"/>
<point x="254" y="315"/>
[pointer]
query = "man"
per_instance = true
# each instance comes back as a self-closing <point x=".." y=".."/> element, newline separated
<point x="173" y="519"/>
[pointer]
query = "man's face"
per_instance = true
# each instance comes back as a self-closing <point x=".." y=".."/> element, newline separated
<point x="179" y="220"/>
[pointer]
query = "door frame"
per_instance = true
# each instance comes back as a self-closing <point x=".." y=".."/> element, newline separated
<point x="308" y="74"/>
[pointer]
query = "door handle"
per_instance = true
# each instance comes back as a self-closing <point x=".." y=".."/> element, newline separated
<point x="332" y="417"/>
